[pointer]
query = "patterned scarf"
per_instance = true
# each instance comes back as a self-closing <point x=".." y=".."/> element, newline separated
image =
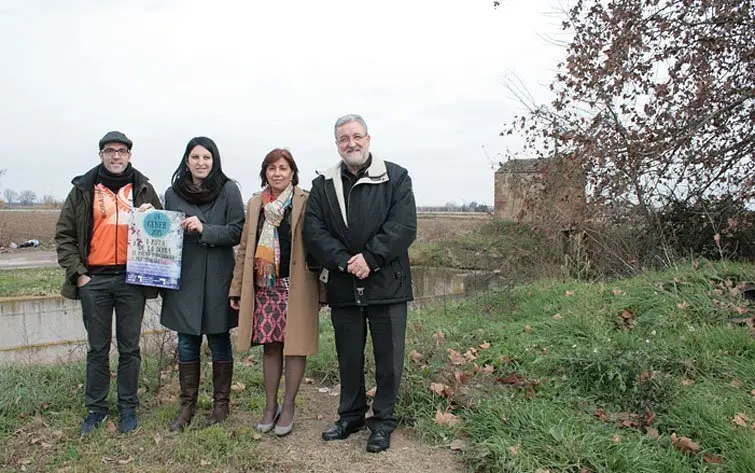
<point x="268" y="254"/>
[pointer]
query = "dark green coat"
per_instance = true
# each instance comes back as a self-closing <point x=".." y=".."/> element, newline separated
<point x="74" y="228"/>
<point x="201" y="304"/>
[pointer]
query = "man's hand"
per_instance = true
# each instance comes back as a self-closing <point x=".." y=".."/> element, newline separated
<point x="235" y="304"/>
<point x="358" y="266"/>
<point x="192" y="224"/>
<point x="145" y="206"/>
<point x="83" y="279"/>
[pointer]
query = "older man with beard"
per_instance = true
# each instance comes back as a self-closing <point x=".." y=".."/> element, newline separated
<point x="360" y="220"/>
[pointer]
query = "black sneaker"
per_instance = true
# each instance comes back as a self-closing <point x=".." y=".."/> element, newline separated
<point x="92" y="421"/>
<point x="128" y="421"/>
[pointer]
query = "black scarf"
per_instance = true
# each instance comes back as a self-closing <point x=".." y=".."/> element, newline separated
<point x="192" y="193"/>
<point x="114" y="182"/>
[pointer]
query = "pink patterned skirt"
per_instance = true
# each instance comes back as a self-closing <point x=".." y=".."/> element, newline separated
<point x="270" y="308"/>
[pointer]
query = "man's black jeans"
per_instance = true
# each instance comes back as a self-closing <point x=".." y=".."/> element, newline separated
<point x="98" y="299"/>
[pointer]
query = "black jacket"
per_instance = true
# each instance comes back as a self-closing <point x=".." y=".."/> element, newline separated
<point x="382" y="223"/>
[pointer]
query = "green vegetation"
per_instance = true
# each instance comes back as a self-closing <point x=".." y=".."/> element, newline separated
<point x="649" y="374"/>
<point x="31" y="282"/>
<point x="509" y="247"/>
<point x="592" y="376"/>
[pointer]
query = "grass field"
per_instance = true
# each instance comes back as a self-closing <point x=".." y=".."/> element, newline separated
<point x="31" y="282"/>
<point x="650" y="374"/>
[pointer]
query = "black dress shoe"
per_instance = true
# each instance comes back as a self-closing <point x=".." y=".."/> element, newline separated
<point x="379" y="441"/>
<point x="342" y="430"/>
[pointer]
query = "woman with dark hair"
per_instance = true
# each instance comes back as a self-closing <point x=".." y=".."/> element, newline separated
<point x="279" y="310"/>
<point x="214" y="221"/>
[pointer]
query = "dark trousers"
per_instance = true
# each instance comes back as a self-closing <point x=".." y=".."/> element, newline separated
<point x="189" y="346"/>
<point x="388" y="329"/>
<point x="98" y="299"/>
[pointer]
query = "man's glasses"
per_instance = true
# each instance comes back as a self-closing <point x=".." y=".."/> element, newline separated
<point x="344" y="140"/>
<point x="110" y="152"/>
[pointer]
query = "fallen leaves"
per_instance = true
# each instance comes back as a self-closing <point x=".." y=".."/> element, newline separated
<point x="684" y="444"/>
<point x="470" y="355"/>
<point x="441" y="389"/>
<point x="527" y="328"/>
<point x="557" y="317"/>
<point x="652" y="433"/>
<point x="569" y="293"/>
<point x="455" y="357"/>
<point x="415" y="356"/>
<point x="238" y="387"/>
<point x="110" y="427"/>
<point x="740" y="420"/>
<point x="514" y="450"/>
<point x="617" y="291"/>
<point x="438" y="336"/>
<point x="484" y="345"/>
<point x="446" y="418"/>
<point x="627" y="319"/>
<point x="713" y="459"/>
<point x="488" y="369"/>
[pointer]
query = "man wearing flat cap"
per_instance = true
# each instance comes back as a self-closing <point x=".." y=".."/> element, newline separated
<point x="91" y="237"/>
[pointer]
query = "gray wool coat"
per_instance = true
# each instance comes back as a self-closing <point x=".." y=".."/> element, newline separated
<point x="201" y="304"/>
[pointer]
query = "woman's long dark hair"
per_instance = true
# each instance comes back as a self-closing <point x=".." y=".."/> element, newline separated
<point x="182" y="182"/>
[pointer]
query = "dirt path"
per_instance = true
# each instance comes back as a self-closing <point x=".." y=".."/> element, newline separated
<point x="27" y="258"/>
<point x="304" y="451"/>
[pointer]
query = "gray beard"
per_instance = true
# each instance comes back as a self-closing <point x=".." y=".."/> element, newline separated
<point x="352" y="163"/>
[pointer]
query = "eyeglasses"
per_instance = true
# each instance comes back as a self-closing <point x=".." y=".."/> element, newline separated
<point x="110" y="152"/>
<point x="344" y="140"/>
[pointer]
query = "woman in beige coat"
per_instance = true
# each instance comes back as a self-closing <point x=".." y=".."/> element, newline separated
<point x="276" y="295"/>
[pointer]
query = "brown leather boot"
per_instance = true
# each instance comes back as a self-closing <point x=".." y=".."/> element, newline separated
<point x="222" y="374"/>
<point x="188" y="376"/>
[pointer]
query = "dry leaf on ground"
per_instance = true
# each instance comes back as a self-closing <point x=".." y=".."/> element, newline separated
<point x="527" y="328"/>
<point x="438" y="336"/>
<point x="514" y="450"/>
<point x="617" y="291"/>
<point x="737" y="383"/>
<point x="456" y="358"/>
<point x="462" y="377"/>
<point x="484" y="345"/>
<point x="470" y="355"/>
<point x="557" y="317"/>
<point x="652" y="433"/>
<point x="204" y="463"/>
<point x="488" y="369"/>
<point x="569" y="293"/>
<point x="714" y="459"/>
<point x="238" y="386"/>
<point x="415" y="356"/>
<point x="372" y="392"/>
<point x="740" y="420"/>
<point x="126" y="461"/>
<point x="438" y="388"/>
<point x="110" y="427"/>
<point x="446" y="418"/>
<point x="685" y="444"/>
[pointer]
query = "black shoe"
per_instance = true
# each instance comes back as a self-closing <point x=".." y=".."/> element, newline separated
<point x="379" y="441"/>
<point x="93" y="420"/>
<point x="342" y="430"/>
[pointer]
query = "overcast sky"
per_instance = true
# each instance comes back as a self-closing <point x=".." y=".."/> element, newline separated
<point x="427" y="76"/>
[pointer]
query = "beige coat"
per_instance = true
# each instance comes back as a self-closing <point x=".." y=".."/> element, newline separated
<point x="302" y="329"/>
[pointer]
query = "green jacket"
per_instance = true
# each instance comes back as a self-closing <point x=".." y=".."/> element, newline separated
<point x="74" y="227"/>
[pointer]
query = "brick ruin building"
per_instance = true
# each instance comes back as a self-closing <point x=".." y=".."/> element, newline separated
<point x="519" y="184"/>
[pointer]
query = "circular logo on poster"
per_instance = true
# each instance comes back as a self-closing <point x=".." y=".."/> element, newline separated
<point x="156" y="224"/>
